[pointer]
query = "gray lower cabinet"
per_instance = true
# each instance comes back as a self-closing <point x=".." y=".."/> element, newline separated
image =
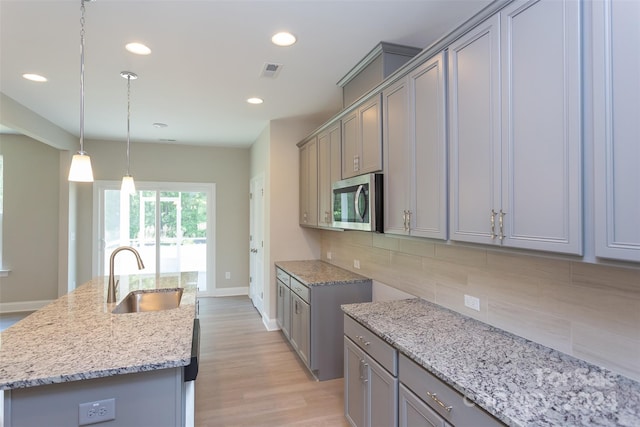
<point x="427" y="401"/>
<point x="284" y="308"/>
<point x="300" y="327"/>
<point x="311" y="319"/>
<point x="371" y="391"/>
<point x="283" y="303"/>
<point x="413" y="412"/>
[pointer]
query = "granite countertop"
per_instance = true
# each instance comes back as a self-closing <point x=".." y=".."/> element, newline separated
<point x="77" y="337"/>
<point x="317" y="273"/>
<point x="520" y="382"/>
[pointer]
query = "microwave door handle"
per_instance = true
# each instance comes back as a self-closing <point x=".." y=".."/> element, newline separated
<point x="357" y="202"/>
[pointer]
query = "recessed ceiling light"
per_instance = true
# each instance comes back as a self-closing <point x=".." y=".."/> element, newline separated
<point x="34" y="77"/>
<point x="160" y="125"/>
<point x="138" y="48"/>
<point x="255" y="101"/>
<point x="283" y="39"/>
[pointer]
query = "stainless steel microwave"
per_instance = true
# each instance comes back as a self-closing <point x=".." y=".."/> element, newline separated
<point x="357" y="203"/>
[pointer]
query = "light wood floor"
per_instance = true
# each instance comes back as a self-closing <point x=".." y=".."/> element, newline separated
<point x="251" y="377"/>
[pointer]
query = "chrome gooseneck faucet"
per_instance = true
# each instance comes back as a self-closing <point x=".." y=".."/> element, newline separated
<point x="111" y="290"/>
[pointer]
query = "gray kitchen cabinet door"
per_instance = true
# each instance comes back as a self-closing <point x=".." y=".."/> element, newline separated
<point x="474" y="132"/>
<point x="414" y="412"/>
<point x="516" y="155"/>
<point x="415" y="153"/>
<point x="370" y="114"/>
<point x="283" y="308"/>
<point x="329" y="171"/>
<point x="299" y="336"/>
<point x="362" y="139"/>
<point x="309" y="183"/>
<point x="355" y="391"/>
<point x="286" y="324"/>
<point x="541" y="125"/>
<point x="616" y="91"/>
<point x="427" y="90"/>
<point x="280" y="304"/>
<point x="382" y="389"/>
<point x="398" y="156"/>
<point x="371" y="393"/>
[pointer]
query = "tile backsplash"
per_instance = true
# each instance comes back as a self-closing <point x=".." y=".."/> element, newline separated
<point x="590" y="311"/>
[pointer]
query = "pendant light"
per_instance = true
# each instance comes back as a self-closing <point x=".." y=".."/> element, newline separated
<point x="80" y="170"/>
<point x="128" y="185"/>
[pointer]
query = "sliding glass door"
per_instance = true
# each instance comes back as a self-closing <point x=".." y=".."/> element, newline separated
<point x="171" y="225"/>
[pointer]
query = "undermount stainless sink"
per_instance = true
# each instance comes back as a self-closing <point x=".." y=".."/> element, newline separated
<point x="150" y="300"/>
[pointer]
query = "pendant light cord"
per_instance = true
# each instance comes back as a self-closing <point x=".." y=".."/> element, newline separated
<point x="128" y="121"/>
<point x="82" y="77"/>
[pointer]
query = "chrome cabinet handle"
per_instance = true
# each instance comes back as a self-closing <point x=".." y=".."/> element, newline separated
<point x="501" y="223"/>
<point x="362" y="340"/>
<point x="365" y="365"/>
<point x="493" y="224"/>
<point x="434" y="396"/>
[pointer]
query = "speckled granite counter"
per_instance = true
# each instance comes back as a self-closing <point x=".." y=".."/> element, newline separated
<point x="516" y="380"/>
<point x="317" y="273"/>
<point x="77" y="337"/>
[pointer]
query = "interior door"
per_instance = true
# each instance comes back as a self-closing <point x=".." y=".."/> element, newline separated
<point x="256" y="278"/>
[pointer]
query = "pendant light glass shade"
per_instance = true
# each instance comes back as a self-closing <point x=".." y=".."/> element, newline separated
<point x="80" y="170"/>
<point x="128" y="185"/>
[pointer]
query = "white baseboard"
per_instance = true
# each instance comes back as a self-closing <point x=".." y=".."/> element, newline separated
<point x="270" y="324"/>
<point x="16" y="307"/>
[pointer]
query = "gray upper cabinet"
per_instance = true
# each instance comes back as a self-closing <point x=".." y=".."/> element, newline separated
<point x="309" y="183"/>
<point x="415" y="152"/>
<point x="362" y="139"/>
<point x="616" y="92"/>
<point x="514" y="97"/>
<point x="329" y="171"/>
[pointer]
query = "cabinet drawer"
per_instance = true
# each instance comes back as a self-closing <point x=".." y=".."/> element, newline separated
<point x="382" y="352"/>
<point x="438" y="395"/>
<point x="282" y="276"/>
<point x="300" y="289"/>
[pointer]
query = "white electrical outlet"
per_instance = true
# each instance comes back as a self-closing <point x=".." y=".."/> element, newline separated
<point x="227" y="275"/>
<point x="356" y="263"/>
<point x="329" y="255"/>
<point x="472" y="302"/>
<point x="97" y="412"/>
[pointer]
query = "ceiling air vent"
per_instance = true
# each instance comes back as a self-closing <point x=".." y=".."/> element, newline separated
<point x="270" y="70"/>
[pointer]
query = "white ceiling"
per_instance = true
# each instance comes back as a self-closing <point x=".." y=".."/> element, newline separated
<point x="206" y="59"/>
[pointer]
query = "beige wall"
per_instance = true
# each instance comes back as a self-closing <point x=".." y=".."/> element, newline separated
<point x="30" y="226"/>
<point x="228" y="168"/>
<point x="275" y="154"/>
<point x="587" y="310"/>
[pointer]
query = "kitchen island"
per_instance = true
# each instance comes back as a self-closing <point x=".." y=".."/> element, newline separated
<point x="519" y="382"/>
<point x="75" y="351"/>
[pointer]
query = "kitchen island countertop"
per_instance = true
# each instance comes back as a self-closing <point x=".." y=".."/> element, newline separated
<point x="518" y="381"/>
<point x="318" y="273"/>
<point x="76" y="337"/>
